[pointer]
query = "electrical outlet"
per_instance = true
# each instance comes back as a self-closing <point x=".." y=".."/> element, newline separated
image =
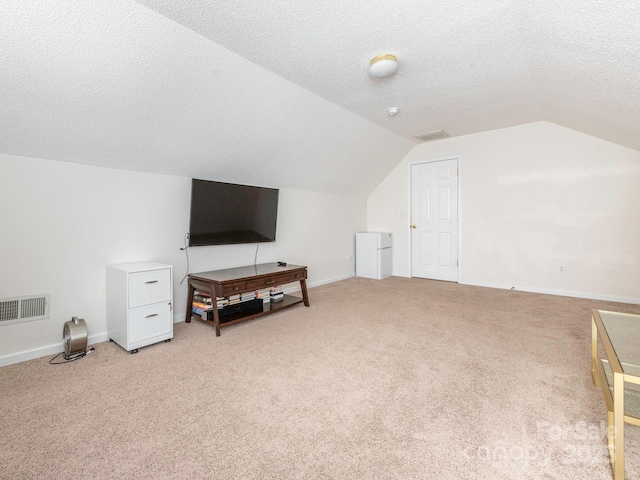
<point x="562" y="268"/>
<point x="396" y="214"/>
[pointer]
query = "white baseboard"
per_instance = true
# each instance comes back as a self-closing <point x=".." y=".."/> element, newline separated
<point x="59" y="347"/>
<point x="45" y="351"/>
<point x="330" y="280"/>
<point x="179" y="318"/>
<point x="562" y="293"/>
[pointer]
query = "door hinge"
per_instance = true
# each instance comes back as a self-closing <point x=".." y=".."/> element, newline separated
<point x="457" y="171"/>
<point x="457" y="263"/>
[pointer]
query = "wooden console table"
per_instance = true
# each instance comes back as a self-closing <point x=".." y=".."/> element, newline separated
<point x="231" y="281"/>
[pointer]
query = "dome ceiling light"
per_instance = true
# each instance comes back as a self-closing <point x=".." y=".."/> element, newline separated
<point x="383" y="66"/>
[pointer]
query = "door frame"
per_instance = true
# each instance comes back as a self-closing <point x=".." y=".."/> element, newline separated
<point x="458" y="158"/>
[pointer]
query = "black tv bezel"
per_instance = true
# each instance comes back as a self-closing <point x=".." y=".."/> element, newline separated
<point x="246" y="239"/>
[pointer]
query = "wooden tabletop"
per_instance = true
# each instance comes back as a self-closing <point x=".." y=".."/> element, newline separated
<point x="241" y="273"/>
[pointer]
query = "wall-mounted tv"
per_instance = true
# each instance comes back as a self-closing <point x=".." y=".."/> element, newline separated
<point x="227" y="213"/>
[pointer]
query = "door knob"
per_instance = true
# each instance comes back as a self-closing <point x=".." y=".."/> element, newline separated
<point x="413" y="226"/>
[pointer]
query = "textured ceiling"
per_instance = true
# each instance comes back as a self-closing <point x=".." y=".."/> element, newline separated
<point x="277" y="93"/>
<point x="464" y="66"/>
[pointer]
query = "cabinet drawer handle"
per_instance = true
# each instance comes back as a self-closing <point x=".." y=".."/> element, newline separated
<point x="269" y="282"/>
<point x="152" y="281"/>
<point x="152" y="315"/>
<point x="236" y="288"/>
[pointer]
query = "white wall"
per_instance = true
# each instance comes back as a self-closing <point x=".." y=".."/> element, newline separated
<point x="533" y="196"/>
<point x="63" y="223"/>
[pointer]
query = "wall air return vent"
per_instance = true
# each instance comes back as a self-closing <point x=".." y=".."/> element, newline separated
<point x="430" y="136"/>
<point x="24" y="309"/>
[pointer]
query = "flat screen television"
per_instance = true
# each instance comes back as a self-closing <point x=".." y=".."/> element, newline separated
<point x="228" y="213"/>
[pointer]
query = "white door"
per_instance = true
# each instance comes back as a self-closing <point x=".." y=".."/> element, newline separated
<point x="434" y="220"/>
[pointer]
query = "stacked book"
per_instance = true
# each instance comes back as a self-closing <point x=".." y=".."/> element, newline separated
<point x="245" y="297"/>
<point x="264" y="295"/>
<point x="276" y="294"/>
<point x="201" y="309"/>
<point x="202" y="305"/>
<point x="202" y="297"/>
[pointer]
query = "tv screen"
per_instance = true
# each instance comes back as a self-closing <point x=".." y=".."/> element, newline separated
<point x="227" y="213"/>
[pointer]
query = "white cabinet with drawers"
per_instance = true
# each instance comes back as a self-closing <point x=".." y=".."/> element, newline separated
<point x="139" y="304"/>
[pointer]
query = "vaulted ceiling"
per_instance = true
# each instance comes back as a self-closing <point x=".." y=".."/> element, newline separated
<point x="278" y="93"/>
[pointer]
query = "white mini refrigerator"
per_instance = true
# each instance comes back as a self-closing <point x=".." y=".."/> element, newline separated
<point x="373" y="255"/>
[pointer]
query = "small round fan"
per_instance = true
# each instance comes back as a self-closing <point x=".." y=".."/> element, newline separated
<point x="74" y="335"/>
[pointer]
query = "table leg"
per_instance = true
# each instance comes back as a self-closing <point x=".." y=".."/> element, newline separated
<point x="594" y="351"/>
<point x="305" y="295"/>
<point x="216" y="316"/>
<point x="190" y="291"/>
<point x="618" y="426"/>
<point x="610" y="437"/>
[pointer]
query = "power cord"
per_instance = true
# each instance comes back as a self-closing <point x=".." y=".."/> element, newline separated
<point x="53" y="362"/>
<point x="186" y="252"/>
<point x="255" y="259"/>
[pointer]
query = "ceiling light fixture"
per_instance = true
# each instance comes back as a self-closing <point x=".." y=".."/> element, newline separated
<point x="383" y="66"/>
<point x="393" y="111"/>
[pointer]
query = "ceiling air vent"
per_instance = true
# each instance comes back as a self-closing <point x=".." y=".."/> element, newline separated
<point x="430" y="136"/>
<point x="24" y="309"/>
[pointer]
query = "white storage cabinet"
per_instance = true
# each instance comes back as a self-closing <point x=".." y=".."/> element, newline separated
<point x="139" y="304"/>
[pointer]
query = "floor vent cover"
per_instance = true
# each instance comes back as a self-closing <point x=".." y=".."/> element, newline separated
<point x="435" y="135"/>
<point x="24" y="309"/>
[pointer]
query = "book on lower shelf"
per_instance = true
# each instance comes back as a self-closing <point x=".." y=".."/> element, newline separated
<point x="229" y="305"/>
<point x="205" y="314"/>
<point x="276" y="294"/>
<point x="201" y="297"/>
<point x="264" y="295"/>
<point x="245" y="297"/>
<point x="202" y="305"/>
<point x="222" y="302"/>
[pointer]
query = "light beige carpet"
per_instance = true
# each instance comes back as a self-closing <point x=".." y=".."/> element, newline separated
<point x="400" y="378"/>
